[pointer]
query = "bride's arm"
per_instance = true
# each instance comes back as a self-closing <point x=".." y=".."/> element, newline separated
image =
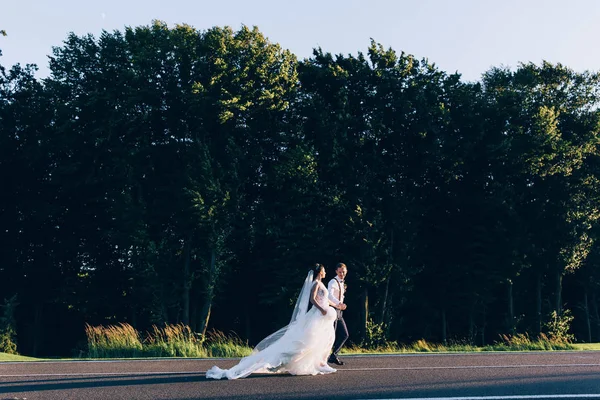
<point x="313" y="299"/>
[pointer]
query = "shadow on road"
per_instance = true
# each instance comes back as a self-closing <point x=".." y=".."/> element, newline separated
<point x="95" y="382"/>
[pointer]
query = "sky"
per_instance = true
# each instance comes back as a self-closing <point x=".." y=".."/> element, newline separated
<point x="465" y="36"/>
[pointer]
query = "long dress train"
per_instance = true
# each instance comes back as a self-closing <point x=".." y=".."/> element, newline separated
<point x="300" y="348"/>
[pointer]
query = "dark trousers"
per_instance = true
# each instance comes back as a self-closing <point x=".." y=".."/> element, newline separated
<point x="341" y="333"/>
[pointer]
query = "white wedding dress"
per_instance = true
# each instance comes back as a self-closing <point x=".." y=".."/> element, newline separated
<point x="300" y="348"/>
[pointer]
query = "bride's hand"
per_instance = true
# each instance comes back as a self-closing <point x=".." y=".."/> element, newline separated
<point x="324" y="312"/>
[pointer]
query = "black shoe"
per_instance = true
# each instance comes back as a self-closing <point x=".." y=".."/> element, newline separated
<point x="334" y="360"/>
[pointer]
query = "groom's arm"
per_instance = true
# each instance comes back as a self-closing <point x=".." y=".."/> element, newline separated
<point x="333" y="296"/>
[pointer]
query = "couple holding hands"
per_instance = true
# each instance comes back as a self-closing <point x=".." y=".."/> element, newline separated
<point x="304" y="346"/>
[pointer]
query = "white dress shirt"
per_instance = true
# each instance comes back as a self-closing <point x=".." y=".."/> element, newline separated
<point x="336" y="290"/>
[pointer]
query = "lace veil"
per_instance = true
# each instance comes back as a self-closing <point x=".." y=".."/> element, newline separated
<point x="300" y="310"/>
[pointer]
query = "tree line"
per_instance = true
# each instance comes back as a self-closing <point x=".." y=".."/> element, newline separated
<point x="173" y="175"/>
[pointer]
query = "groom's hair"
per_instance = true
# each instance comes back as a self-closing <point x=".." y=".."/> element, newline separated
<point x="340" y="265"/>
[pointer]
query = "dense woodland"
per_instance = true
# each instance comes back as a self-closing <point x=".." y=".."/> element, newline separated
<point x="174" y="175"/>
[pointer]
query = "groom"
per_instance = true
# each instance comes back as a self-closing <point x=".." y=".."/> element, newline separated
<point x="337" y="291"/>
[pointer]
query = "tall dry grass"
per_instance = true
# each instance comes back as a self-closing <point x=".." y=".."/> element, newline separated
<point x="219" y="344"/>
<point x="522" y="341"/>
<point x="173" y="341"/>
<point x="124" y="341"/>
<point x="113" y="341"/>
<point x="518" y="342"/>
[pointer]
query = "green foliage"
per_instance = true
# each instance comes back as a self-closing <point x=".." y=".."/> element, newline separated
<point x="8" y="332"/>
<point x="376" y="336"/>
<point x="161" y="174"/>
<point x="522" y="341"/>
<point x="7" y="341"/>
<point x="558" y="327"/>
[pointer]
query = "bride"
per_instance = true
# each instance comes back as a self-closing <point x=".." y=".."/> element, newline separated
<point x="300" y="348"/>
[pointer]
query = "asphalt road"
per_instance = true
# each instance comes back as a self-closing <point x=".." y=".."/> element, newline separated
<point x="489" y="376"/>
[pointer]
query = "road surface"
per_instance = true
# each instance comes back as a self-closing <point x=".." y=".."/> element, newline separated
<point x="479" y="376"/>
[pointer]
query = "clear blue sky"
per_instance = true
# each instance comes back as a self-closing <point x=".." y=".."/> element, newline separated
<point x="468" y="36"/>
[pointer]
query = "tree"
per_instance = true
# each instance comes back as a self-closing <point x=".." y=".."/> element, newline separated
<point x="551" y="129"/>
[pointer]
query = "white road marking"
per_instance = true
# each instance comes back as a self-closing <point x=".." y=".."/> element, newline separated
<point x="113" y="361"/>
<point x="555" y="353"/>
<point x="101" y="374"/>
<point x="581" y="353"/>
<point x="474" y="367"/>
<point x="517" y="397"/>
<point x="339" y="370"/>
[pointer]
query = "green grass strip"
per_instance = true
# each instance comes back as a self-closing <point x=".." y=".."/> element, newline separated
<point x="14" y="357"/>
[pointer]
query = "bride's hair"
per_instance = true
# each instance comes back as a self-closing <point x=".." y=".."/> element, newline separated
<point x="317" y="269"/>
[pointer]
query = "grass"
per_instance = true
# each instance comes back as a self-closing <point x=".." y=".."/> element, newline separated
<point x="123" y="341"/>
<point x="586" y="346"/>
<point x="518" y="342"/>
<point x="15" y="357"/>
<point x="220" y="345"/>
<point x="113" y="341"/>
<point x="522" y="342"/>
